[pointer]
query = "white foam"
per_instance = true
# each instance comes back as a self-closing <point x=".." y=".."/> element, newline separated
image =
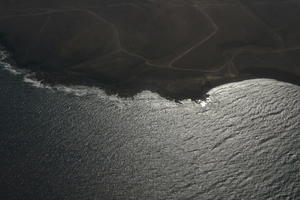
<point x="30" y="79"/>
<point x="190" y="102"/>
<point x="10" y="68"/>
<point x="7" y="66"/>
<point x="79" y="90"/>
<point x="203" y="103"/>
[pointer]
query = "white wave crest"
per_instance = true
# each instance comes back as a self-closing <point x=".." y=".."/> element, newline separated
<point x="30" y="79"/>
<point x="7" y="66"/>
<point x="10" y="68"/>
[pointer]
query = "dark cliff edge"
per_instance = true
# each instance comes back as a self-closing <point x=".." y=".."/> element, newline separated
<point x="179" y="49"/>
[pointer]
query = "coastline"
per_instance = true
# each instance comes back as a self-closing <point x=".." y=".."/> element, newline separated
<point x="129" y="90"/>
<point x="182" y="54"/>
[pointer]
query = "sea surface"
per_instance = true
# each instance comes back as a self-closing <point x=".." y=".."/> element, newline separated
<point x="61" y="142"/>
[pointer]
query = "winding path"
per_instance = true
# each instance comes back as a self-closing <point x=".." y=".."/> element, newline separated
<point x="170" y="64"/>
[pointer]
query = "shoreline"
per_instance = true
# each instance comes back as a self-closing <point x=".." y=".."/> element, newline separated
<point x="181" y="54"/>
<point x="69" y="78"/>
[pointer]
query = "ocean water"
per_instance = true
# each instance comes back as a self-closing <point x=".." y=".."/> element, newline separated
<point x="79" y="143"/>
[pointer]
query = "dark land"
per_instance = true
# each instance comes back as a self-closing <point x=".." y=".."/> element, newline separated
<point x="177" y="48"/>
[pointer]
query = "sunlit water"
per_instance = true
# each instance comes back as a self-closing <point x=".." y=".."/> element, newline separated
<point x="79" y="143"/>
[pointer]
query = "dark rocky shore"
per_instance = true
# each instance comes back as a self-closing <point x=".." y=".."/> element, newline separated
<point x="177" y="48"/>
